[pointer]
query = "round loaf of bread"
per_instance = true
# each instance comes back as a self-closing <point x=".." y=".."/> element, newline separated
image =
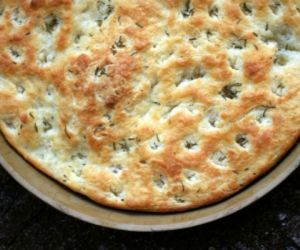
<point x="151" y="105"/>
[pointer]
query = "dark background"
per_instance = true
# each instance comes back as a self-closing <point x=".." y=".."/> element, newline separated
<point x="271" y="223"/>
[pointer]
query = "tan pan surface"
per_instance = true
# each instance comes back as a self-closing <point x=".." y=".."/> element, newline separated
<point x="151" y="105"/>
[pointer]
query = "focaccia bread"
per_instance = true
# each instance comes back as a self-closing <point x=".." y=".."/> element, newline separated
<point x="151" y="105"/>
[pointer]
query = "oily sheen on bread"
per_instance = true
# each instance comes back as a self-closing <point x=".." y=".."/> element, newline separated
<point x="151" y="105"/>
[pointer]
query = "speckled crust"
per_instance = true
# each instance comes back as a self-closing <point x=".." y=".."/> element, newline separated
<point x="151" y="105"/>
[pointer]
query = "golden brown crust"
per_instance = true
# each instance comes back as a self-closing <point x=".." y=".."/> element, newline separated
<point x="151" y="105"/>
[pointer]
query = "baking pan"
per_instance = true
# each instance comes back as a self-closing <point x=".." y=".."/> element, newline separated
<point x="84" y="209"/>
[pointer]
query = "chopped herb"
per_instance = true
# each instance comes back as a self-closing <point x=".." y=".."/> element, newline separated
<point x="267" y="27"/>
<point x="157" y="137"/>
<point x="98" y="129"/>
<point x="213" y="119"/>
<point x="242" y="140"/>
<point x="47" y="125"/>
<point x="231" y="91"/>
<point x="197" y="73"/>
<point x="154" y="146"/>
<point x="104" y="8"/>
<point x="20" y="89"/>
<point x="262" y="112"/>
<point x="280" y="59"/>
<point x="18" y="16"/>
<point x="100" y="72"/>
<point x="156" y="103"/>
<point x="214" y="12"/>
<point x="14" y="52"/>
<point x="107" y="116"/>
<point x="51" y="22"/>
<point x="81" y="156"/>
<point x="172" y="108"/>
<point x="238" y="43"/>
<point x="275" y="7"/>
<point x="209" y="34"/>
<point x="118" y="44"/>
<point x="116" y="191"/>
<point x="124" y="146"/>
<point x="99" y="22"/>
<point x="77" y="38"/>
<point x="78" y="172"/>
<point x="188" y="10"/>
<point x="179" y="199"/>
<point x="190" y="144"/>
<point x="116" y="168"/>
<point x="36" y="128"/>
<point x="247" y="10"/>
<point x="113" y="50"/>
<point x="160" y="181"/>
<point x="10" y="123"/>
<point x="278" y="88"/>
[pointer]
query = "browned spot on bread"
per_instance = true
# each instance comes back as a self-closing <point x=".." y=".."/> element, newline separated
<point x="257" y="65"/>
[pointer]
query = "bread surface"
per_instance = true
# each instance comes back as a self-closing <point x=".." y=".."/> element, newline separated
<point x="151" y="105"/>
